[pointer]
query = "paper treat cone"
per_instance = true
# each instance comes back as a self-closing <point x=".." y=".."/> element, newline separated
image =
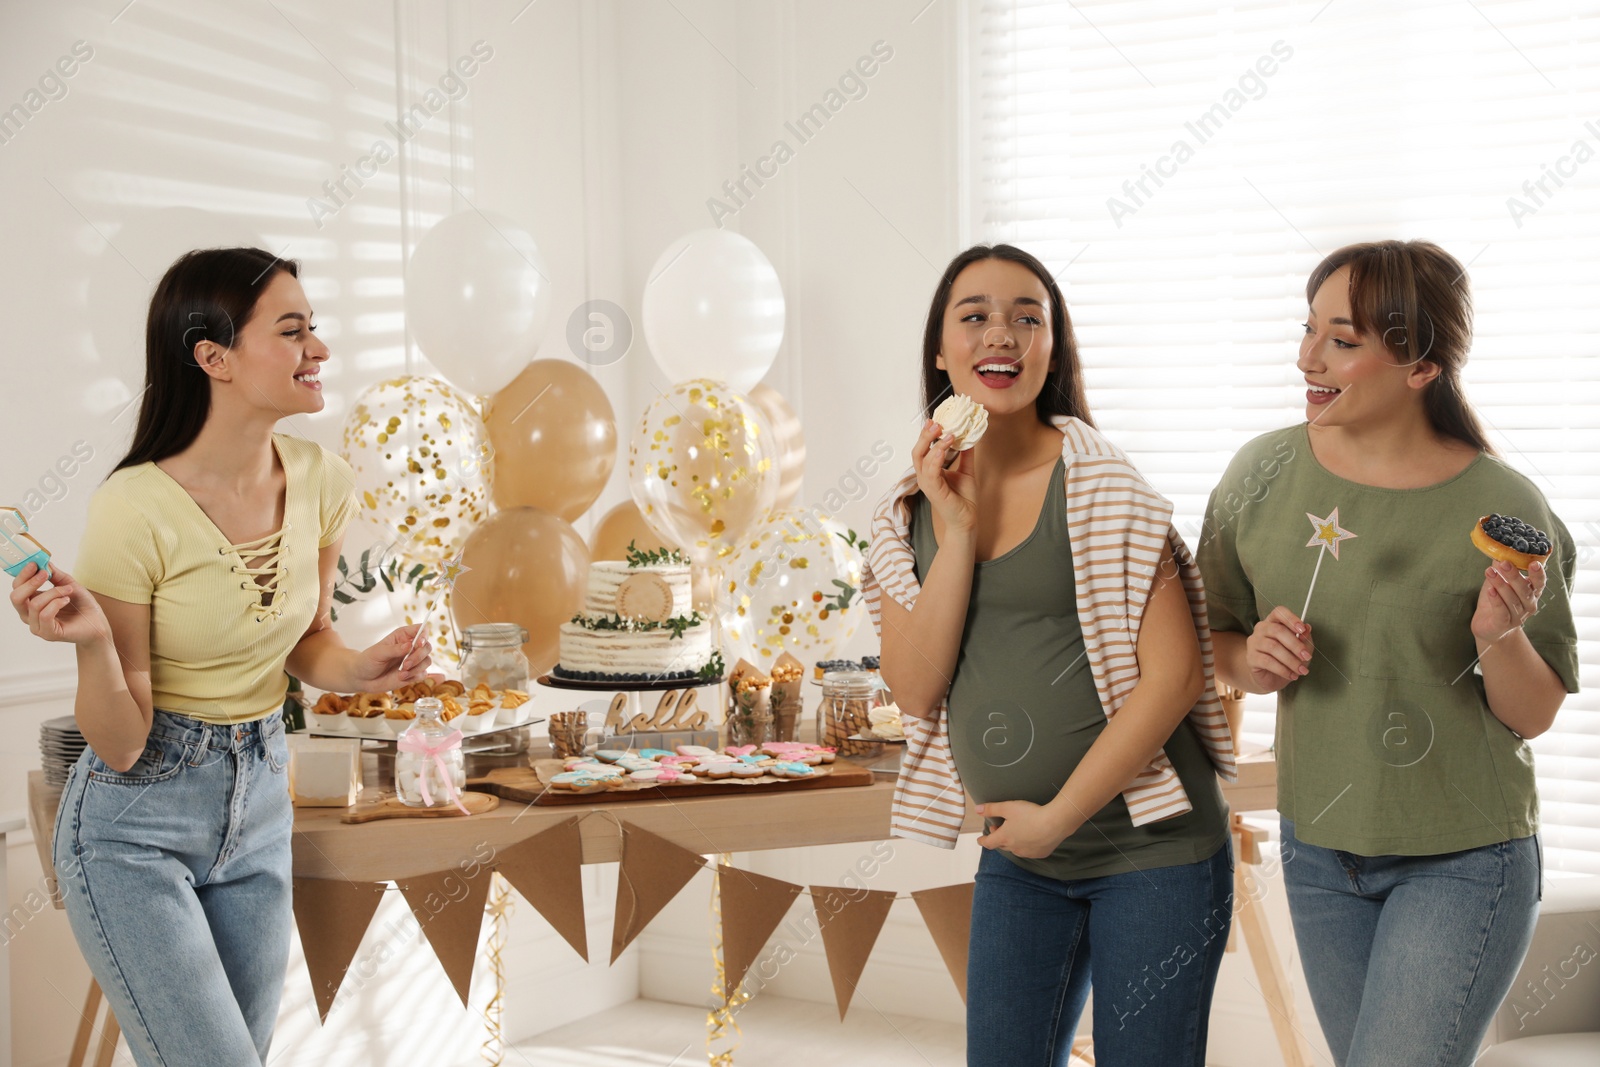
<point x="749" y="705"/>
<point x="788" y="699"/>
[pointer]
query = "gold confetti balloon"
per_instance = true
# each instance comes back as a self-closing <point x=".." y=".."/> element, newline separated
<point x="703" y="468"/>
<point x="421" y="457"/>
<point x="794" y="586"/>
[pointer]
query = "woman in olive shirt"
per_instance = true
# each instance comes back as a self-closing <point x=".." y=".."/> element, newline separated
<point x="1405" y="785"/>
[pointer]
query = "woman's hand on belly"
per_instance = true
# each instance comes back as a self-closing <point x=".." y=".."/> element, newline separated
<point x="1029" y="830"/>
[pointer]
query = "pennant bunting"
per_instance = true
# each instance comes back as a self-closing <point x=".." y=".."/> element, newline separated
<point x="546" y="869"/>
<point x="947" y="911"/>
<point x="653" y="870"/>
<point x="850" y="923"/>
<point x="449" y="906"/>
<point x="752" y="907"/>
<point x="332" y="917"/>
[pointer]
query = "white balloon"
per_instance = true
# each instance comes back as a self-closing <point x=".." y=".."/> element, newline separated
<point x="478" y="299"/>
<point x="713" y="308"/>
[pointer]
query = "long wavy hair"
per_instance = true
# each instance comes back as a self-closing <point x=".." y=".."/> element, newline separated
<point x="1063" y="392"/>
<point x="1414" y="297"/>
<point x="207" y="295"/>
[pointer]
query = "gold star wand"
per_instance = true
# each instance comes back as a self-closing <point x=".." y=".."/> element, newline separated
<point x="449" y="571"/>
<point x="1326" y="535"/>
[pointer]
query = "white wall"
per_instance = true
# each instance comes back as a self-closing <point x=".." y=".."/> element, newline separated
<point x="604" y="128"/>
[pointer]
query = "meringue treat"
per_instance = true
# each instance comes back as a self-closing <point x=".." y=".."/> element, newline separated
<point x="962" y="417"/>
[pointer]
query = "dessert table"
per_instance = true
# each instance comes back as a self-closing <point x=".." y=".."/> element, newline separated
<point x="325" y="847"/>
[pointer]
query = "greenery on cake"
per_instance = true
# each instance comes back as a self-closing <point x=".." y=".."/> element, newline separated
<point x="715" y="667"/>
<point x="677" y="624"/>
<point x="657" y="557"/>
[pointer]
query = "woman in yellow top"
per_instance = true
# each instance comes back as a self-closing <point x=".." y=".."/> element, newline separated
<point x="205" y="572"/>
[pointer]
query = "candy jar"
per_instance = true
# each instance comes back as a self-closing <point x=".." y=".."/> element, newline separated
<point x="429" y="769"/>
<point x="848" y="698"/>
<point x="491" y="653"/>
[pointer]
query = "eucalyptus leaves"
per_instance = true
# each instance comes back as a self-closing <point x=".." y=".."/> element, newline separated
<point x="391" y="572"/>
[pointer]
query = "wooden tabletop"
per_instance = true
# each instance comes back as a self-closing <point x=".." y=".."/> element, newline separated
<point x="399" y="848"/>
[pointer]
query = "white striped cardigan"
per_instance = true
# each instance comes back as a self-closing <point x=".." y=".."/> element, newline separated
<point x="1117" y="528"/>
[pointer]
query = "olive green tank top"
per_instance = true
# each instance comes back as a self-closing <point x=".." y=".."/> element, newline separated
<point x="1023" y="708"/>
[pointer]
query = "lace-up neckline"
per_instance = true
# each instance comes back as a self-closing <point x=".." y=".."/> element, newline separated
<point x="269" y="549"/>
<point x="267" y="601"/>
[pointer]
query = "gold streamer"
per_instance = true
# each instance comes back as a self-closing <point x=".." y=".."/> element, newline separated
<point x="721" y="1026"/>
<point x="500" y="905"/>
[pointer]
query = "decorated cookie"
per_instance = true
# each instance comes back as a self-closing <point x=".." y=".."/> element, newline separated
<point x="658" y="774"/>
<point x="790" y="769"/>
<point x="580" y="781"/>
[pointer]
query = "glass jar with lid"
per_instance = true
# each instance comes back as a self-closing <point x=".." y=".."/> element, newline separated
<point x="848" y="698"/>
<point x="491" y="654"/>
<point x="429" y="768"/>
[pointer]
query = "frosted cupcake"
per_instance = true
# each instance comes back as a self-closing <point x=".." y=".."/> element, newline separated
<point x="964" y="418"/>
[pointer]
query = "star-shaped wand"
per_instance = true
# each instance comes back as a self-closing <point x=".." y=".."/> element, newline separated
<point x="449" y="571"/>
<point x="1326" y="535"/>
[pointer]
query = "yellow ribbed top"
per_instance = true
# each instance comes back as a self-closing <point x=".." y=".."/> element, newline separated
<point x="220" y="627"/>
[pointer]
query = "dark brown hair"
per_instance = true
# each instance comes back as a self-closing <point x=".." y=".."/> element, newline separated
<point x="1063" y="390"/>
<point x="207" y="295"/>
<point x="1413" y="296"/>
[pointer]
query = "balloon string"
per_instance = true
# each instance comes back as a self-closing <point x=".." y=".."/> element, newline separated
<point x="721" y="1026"/>
<point x="500" y="905"/>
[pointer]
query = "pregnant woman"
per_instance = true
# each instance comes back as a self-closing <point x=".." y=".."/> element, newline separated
<point x="1408" y="688"/>
<point x="204" y="573"/>
<point x="1041" y="617"/>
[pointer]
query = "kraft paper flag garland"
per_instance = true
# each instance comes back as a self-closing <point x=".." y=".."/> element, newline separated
<point x="1325" y="537"/>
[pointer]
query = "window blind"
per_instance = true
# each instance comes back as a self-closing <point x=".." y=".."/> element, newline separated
<point x="1181" y="169"/>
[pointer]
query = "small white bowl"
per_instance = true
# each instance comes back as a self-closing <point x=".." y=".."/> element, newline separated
<point x="372" y="726"/>
<point x="337" y="722"/>
<point x="477" y="724"/>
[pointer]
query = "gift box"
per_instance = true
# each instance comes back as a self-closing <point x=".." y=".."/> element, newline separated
<point x="324" y="772"/>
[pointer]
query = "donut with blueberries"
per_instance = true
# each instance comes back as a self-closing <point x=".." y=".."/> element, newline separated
<point x="1509" y="538"/>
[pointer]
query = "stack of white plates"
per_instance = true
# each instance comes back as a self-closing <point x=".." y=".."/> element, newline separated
<point x="60" y="745"/>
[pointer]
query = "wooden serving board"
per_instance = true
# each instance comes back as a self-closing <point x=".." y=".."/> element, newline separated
<point x="525" y="784"/>
<point x="477" y="804"/>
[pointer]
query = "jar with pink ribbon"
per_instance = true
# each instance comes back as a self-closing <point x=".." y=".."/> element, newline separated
<point x="429" y="769"/>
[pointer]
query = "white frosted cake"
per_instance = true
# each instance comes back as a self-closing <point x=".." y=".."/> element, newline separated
<point x="638" y="624"/>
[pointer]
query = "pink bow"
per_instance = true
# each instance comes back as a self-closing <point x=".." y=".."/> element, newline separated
<point x="435" y="753"/>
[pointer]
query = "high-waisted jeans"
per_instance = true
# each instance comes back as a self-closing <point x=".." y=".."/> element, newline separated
<point x="176" y="878"/>
<point x="1149" y="942"/>
<point x="1408" y="957"/>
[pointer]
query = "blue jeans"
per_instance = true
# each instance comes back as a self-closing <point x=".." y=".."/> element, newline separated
<point x="1408" y="957"/>
<point x="1149" y="942"/>
<point x="176" y="878"/>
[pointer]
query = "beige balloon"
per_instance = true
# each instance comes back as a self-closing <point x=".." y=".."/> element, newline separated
<point x="791" y="438"/>
<point x="524" y="566"/>
<point x="554" y="436"/>
<point x="624" y="525"/>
